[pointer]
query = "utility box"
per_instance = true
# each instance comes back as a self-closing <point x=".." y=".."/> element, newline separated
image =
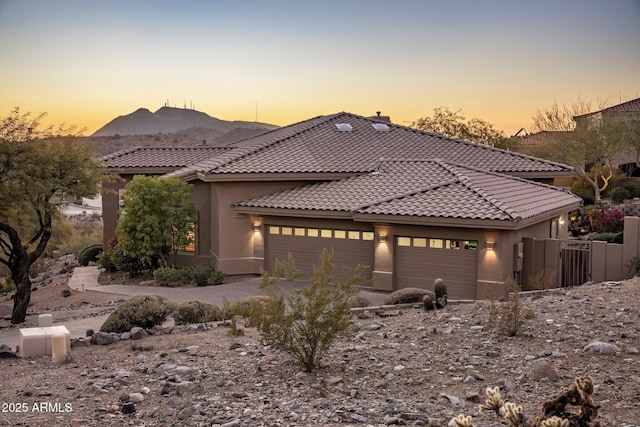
<point x="36" y="342"/>
<point x="518" y="256"/>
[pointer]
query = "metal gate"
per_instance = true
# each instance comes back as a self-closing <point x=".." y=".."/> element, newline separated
<point x="575" y="263"/>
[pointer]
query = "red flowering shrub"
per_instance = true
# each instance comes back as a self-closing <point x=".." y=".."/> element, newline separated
<point x="607" y="220"/>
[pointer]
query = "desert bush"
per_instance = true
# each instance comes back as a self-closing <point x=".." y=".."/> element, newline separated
<point x="7" y="285"/>
<point x="89" y="253"/>
<point x="196" y="312"/>
<point x="247" y="308"/>
<point x="144" y="311"/>
<point x="307" y="323"/>
<point x="506" y="316"/>
<point x="633" y="265"/>
<point x="408" y="295"/>
<point x="619" y="194"/>
<point x="582" y="188"/>
<point x="358" y="301"/>
<point x="543" y="279"/>
<point x="287" y="270"/>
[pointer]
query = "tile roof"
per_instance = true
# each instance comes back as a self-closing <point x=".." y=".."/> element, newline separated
<point x="632" y="106"/>
<point x="317" y="146"/>
<point x="177" y="157"/>
<point x="434" y="189"/>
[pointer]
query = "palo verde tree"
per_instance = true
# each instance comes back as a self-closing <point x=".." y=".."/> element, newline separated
<point x="453" y="124"/>
<point x="158" y="217"/>
<point x="37" y="164"/>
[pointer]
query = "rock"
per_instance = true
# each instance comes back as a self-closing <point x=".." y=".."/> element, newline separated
<point x="6" y="353"/>
<point x="125" y="336"/>
<point x="453" y="399"/>
<point x="602" y="348"/>
<point x="176" y="402"/>
<point x="66" y="293"/>
<point x="79" y="342"/>
<point x="138" y="333"/>
<point x="89" y="333"/>
<point x="135" y="397"/>
<point x="101" y="338"/>
<point x="128" y="408"/>
<point x="542" y="369"/>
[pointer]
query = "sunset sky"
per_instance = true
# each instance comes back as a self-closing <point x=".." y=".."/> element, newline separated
<point x="87" y="62"/>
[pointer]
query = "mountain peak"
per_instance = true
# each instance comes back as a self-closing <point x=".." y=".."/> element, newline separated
<point x="169" y="120"/>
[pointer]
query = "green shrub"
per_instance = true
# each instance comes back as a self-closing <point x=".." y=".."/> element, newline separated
<point x="167" y="276"/>
<point x="144" y="311"/>
<point x="306" y="324"/>
<point x="196" y="312"/>
<point x="619" y="194"/>
<point x="408" y="295"/>
<point x="247" y="308"/>
<point x="198" y="276"/>
<point x="90" y="253"/>
<point x="114" y="259"/>
<point x="609" y="237"/>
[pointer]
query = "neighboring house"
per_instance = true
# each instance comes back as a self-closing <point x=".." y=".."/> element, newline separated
<point x="409" y="205"/>
<point x="625" y="112"/>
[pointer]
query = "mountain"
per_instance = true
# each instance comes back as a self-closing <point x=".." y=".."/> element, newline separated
<point x="172" y="120"/>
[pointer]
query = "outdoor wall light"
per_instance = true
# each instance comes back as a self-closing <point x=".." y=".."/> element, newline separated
<point x="561" y="221"/>
<point x="256" y="224"/>
<point x="490" y="245"/>
<point x="382" y="238"/>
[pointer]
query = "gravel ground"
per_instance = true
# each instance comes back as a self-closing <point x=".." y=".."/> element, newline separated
<point x="408" y="367"/>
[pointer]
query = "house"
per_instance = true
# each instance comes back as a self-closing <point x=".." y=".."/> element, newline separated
<point x="409" y="205"/>
<point x="626" y="114"/>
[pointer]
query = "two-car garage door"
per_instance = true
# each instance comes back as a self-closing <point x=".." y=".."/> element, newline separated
<point x="419" y="261"/>
<point x="350" y="248"/>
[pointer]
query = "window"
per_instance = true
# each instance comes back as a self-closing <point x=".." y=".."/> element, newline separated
<point x="340" y="234"/>
<point x="191" y="238"/>
<point x="325" y="233"/>
<point x="380" y="127"/>
<point x="419" y="242"/>
<point x="354" y="235"/>
<point x="470" y="245"/>
<point x="404" y="241"/>
<point x="436" y="243"/>
<point x="287" y="231"/>
<point x="453" y="244"/>
<point x="274" y="230"/>
<point x="299" y="231"/>
<point x="312" y="232"/>
<point x="367" y="235"/>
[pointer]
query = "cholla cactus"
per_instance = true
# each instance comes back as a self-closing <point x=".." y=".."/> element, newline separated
<point x="494" y="402"/>
<point x="461" y="421"/>
<point x="555" y="422"/>
<point x="513" y="414"/>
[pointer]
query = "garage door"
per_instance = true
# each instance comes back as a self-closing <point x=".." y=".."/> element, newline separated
<point x="419" y="261"/>
<point x="350" y="248"/>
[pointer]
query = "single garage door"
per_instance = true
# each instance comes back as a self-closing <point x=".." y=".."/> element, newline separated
<point x="350" y="248"/>
<point x="419" y="261"/>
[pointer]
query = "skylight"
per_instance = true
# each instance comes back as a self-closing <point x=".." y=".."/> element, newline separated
<point x="344" y="127"/>
<point x="380" y="127"/>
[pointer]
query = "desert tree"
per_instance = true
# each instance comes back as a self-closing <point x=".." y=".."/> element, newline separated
<point x="37" y="164"/>
<point x="158" y="218"/>
<point x="589" y="149"/>
<point x="454" y="124"/>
